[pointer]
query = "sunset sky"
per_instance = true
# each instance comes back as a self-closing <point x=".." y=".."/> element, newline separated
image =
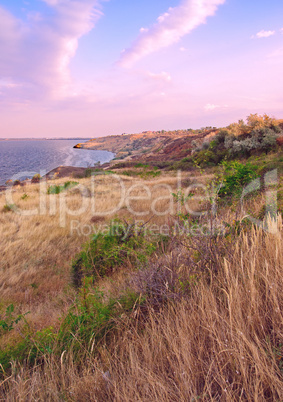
<point x="86" y="68"/>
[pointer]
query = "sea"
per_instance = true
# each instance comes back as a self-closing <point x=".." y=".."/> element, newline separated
<point x="20" y="159"/>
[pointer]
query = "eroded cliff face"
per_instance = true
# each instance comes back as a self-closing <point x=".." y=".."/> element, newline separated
<point x="165" y="146"/>
<point x="158" y="146"/>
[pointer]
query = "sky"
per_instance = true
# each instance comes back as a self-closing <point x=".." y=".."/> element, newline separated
<point x="90" y="68"/>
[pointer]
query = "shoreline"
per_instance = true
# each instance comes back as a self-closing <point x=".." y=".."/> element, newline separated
<point x="80" y="146"/>
<point x="60" y="172"/>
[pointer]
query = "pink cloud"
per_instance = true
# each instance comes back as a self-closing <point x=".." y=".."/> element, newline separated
<point x="264" y="34"/>
<point x="210" y="106"/>
<point x="163" y="76"/>
<point x="38" y="52"/>
<point x="170" y="28"/>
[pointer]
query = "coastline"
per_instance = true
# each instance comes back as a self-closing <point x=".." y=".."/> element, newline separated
<point x="61" y="172"/>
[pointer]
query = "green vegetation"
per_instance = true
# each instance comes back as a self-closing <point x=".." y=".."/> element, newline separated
<point x="145" y="174"/>
<point x="9" y="320"/>
<point x="236" y="142"/>
<point x="92" y="317"/>
<point x="195" y="314"/>
<point x="88" y="172"/>
<point x="236" y="176"/>
<point x="88" y="320"/>
<point x="105" y="252"/>
<point x="57" y="189"/>
<point x="9" y="207"/>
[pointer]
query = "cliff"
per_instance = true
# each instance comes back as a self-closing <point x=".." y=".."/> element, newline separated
<point x="150" y="145"/>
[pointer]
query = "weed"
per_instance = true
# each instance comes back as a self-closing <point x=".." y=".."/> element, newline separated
<point x="56" y="189"/>
<point x="9" y="320"/>
<point x="9" y="207"/>
<point x="179" y="197"/>
<point x="108" y="251"/>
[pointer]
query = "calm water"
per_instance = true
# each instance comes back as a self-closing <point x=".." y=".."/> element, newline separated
<point x="32" y="156"/>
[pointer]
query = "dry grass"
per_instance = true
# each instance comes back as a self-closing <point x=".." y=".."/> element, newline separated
<point x="219" y="344"/>
<point x="224" y="342"/>
<point x="37" y="253"/>
<point x="221" y="339"/>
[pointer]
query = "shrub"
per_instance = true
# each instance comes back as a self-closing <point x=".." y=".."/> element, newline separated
<point x="92" y="317"/>
<point x="269" y="140"/>
<point x="228" y="142"/>
<point x="88" y="172"/>
<point x="108" y="251"/>
<point x="8" y="207"/>
<point x="9" y="320"/>
<point x="258" y="121"/>
<point x="236" y="175"/>
<point x="221" y="136"/>
<point x="184" y="164"/>
<point x="211" y="157"/>
<point x="36" y="178"/>
<point x="171" y="277"/>
<point x="56" y="189"/>
<point x="258" y="140"/>
<point x="141" y="165"/>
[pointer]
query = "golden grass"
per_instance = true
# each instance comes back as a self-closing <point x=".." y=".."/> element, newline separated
<point x="37" y="253"/>
<point x="218" y="344"/>
<point x="224" y="342"/>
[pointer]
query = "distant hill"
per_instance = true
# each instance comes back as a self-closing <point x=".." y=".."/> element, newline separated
<point x="150" y="145"/>
<point x="257" y="134"/>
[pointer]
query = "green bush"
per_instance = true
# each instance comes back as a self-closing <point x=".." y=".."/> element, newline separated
<point x="56" y="189"/>
<point x="184" y="164"/>
<point x="236" y="175"/>
<point x="210" y="157"/>
<point x="9" y="320"/>
<point x="257" y="141"/>
<point x="88" y="172"/>
<point x="141" y="165"/>
<point x="93" y="317"/>
<point x="90" y="319"/>
<point x="221" y="136"/>
<point x="106" y="252"/>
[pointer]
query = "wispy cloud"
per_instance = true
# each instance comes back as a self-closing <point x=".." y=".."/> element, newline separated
<point x="210" y="107"/>
<point x="163" y="76"/>
<point x="170" y="28"/>
<point x="264" y="34"/>
<point x="38" y="51"/>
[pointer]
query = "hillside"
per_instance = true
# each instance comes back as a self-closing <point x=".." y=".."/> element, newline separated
<point x="140" y="283"/>
<point x="164" y="146"/>
<point x="150" y="145"/>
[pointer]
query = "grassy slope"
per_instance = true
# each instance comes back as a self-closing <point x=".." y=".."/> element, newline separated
<point x="201" y="318"/>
